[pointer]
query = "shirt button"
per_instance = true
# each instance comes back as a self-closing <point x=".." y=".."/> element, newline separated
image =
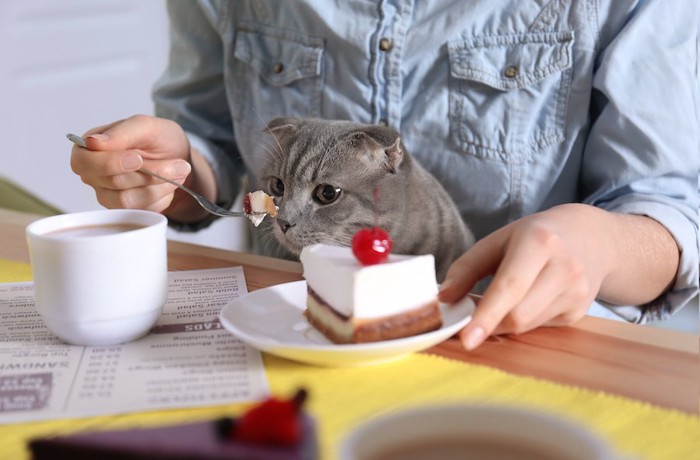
<point x="278" y="68"/>
<point x="512" y="71"/>
<point x="385" y="44"/>
<point x="383" y="122"/>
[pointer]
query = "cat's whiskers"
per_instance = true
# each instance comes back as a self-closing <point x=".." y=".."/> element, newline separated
<point x="340" y="241"/>
<point x="278" y="150"/>
<point x="265" y="124"/>
<point x="269" y="150"/>
<point x="270" y="243"/>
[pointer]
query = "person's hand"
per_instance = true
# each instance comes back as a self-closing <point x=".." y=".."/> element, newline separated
<point x="116" y="151"/>
<point x="547" y="269"/>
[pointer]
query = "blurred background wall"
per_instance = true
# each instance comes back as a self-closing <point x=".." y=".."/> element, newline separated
<point x="68" y="66"/>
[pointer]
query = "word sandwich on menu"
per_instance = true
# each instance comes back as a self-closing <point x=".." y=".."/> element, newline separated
<point x="188" y="359"/>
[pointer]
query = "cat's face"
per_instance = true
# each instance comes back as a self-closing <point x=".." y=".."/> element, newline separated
<point x="325" y="176"/>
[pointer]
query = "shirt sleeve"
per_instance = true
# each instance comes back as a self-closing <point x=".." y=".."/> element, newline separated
<point x="192" y="93"/>
<point x="642" y="152"/>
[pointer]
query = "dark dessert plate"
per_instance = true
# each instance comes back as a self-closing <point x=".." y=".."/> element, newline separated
<point x="272" y="320"/>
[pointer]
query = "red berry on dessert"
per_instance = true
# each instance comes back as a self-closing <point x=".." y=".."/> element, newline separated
<point x="272" y="422"/>
<point x="371" y="245"/>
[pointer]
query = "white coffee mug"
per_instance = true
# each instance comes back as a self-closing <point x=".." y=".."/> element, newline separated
<point x="100" y="277"/>
<point x="457" y="431"/>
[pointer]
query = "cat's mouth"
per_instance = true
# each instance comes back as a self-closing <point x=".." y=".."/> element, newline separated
<point x="289" y="244"/>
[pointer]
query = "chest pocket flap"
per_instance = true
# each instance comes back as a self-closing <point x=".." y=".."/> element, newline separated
<point x="507" y="62"/>
<point x="280" y="61"/>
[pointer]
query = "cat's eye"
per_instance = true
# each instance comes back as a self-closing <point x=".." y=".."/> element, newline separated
<point x="277" y="186"/>
<point x="326" y="194"/>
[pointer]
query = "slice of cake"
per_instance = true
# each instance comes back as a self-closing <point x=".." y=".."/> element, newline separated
<point x="354" y="303"/>
<point x="257" y="205"/>
<point x="272" y="430"/>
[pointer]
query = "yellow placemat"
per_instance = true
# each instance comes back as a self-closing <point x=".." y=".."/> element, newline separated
<point x="14" y="272"/>
<point x="340" y="398"/>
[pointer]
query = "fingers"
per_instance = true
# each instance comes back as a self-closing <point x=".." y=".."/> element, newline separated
<point x="115" y="152"/>
<point x="516" y="274"/>
<point x="129" y="142"/>
<point x="154" y="138"/>
<point x="537" y="306"/>
<point x="135" y="190"/>
<point x="111" y="149"/>
<point x="136" y="132"/>
<point x="152" y="197"/>
<point x="90" y="163"/>
<point x="543" y="275"/>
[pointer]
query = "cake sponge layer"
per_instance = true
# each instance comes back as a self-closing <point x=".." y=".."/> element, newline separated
<point x="342" y="329"/>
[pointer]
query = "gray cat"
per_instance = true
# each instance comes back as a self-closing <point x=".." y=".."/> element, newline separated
<point x="332" y="178"/>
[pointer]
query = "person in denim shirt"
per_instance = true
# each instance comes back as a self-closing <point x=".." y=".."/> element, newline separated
<point x="565" y="131"/>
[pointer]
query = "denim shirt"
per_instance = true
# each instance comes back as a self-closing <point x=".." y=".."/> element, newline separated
<point x="514" y="106"/>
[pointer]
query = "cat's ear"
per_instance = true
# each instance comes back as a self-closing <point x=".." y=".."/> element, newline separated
<point x="383" y="144"/>
<point x="281" y="123"/>
<point x="394" y="155"/>
<point x="282" y="127"/>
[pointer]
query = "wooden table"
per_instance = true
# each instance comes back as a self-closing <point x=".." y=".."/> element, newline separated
<point x="658" y="366"/>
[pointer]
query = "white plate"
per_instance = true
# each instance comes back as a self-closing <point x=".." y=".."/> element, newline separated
<point x="272" y="320"/>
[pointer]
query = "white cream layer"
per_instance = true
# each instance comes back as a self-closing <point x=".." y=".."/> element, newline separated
<point x="399" y="284"/>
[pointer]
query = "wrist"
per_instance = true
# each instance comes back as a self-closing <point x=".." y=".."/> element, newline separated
<point x="644" y="260"/>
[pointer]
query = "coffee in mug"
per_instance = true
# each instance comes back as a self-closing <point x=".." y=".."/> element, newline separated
<point x="93" y="230"/>
<point x="471" y="431"/>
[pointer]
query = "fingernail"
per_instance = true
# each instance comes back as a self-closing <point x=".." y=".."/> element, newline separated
<point x="131" y="162"/>
<point x="181" y="169"/>
<point x="474" y="338"/>
<point x="445" y="284"/>
<point x="99" y="137"/>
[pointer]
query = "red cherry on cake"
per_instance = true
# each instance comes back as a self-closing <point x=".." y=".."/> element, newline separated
<point x="371" y="245"/>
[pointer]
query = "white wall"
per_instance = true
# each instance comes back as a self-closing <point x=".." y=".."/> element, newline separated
<point x="68" y="66"/>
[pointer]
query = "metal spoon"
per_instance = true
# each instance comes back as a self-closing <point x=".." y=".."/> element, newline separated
<point x="205" y="203"/>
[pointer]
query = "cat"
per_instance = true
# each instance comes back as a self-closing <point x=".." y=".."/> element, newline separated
<point x="330" y="178"/>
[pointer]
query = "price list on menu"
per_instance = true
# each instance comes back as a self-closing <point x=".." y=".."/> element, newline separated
<point x="188" y="359"/>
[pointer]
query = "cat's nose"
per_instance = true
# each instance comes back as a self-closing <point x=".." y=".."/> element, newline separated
<point x="284" y="225"/>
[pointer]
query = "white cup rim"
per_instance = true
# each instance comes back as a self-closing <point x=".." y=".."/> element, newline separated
<point x="39" y="229"/>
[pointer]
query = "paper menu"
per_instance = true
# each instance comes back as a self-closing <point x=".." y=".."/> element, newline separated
<point x="188" y="359"/>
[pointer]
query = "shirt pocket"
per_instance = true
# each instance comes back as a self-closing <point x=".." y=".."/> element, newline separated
<point x="508" y="93"/>
<point x="276" y="72"/>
